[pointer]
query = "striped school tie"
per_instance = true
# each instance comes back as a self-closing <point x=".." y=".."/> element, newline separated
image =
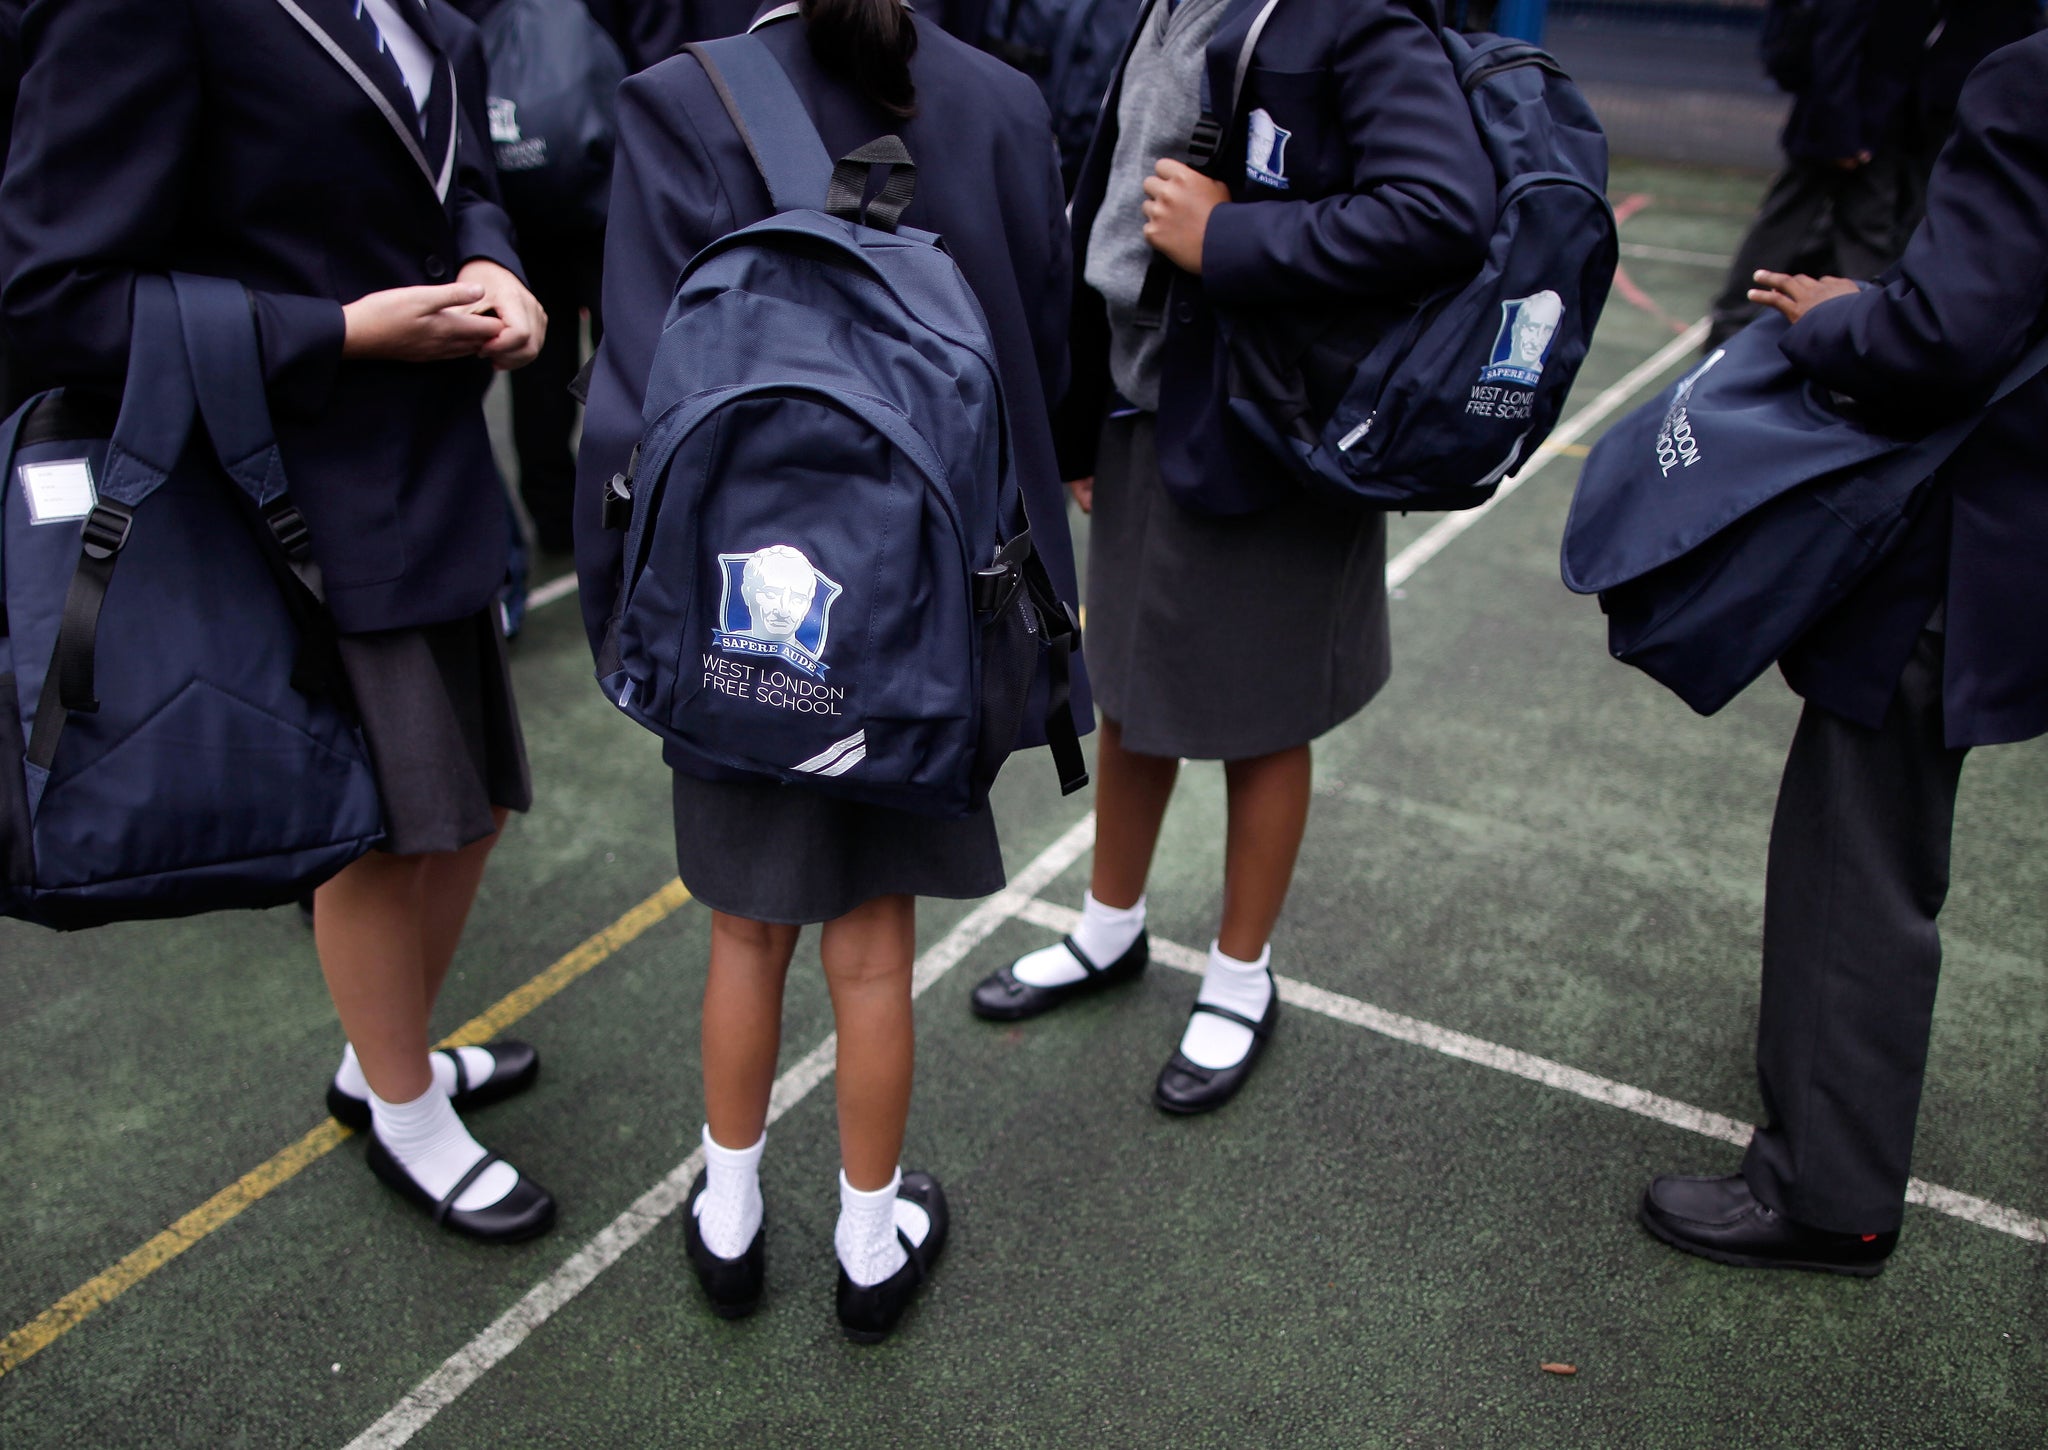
<point x="393" y="71"/>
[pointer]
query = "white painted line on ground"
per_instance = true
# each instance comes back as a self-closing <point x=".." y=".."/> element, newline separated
<point x="560" y="587"/>
<point x="1642" y="1103"/>
<point x="1676" y="254"/>
<point x="474" y="1360"/>
<point x="1405" y="563"/>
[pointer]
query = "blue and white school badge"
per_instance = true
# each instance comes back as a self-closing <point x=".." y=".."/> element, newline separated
<point x="1265" y="153"/>
<point x="1528" y="326"/>
<point x="775" y="605"/>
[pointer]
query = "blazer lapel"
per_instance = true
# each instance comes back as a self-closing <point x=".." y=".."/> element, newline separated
<point x="331" y="24"/>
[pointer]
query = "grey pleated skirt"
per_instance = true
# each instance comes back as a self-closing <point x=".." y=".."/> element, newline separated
<point x="443" y="730"/>
<point x="1227" y="638"/>
<point x="780" y="853"/>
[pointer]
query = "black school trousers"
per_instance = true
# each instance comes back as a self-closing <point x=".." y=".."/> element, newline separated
<point x="1819" y="219"/>
<point x="1859" y="868"/>
<point x="567" y="277"/>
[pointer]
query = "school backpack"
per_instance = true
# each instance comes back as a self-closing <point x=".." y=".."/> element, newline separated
<point x="552" y="101"/>
<point x="1722" y="519"/>
<point x="174" y="729"/>
<point x="1435" y="410"/>
<point x="1072" y="49"/>
<point x="828" y="576"/>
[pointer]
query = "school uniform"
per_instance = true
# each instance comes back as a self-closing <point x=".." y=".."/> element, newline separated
<point x="987" y="182"/>
<point x="10" y="85"/>
<point x="1356" y="181"/>
<point x="273" y="143"/>
<point x="1864" y="61"/>
<point x="1943" y="648"/>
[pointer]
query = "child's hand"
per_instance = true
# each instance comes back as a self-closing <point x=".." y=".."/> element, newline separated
<point x="1178" y="200"/>
<point x="1797" y="296"/>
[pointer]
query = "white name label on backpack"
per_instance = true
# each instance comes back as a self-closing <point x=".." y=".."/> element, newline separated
<point x="58" y="492"/>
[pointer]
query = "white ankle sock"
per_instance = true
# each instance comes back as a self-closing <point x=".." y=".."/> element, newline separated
<point x="479" y="1064"/>
<point x="1105" y="933"/>
<point x="866" y="1239"/>
<point x="428" y="1138"/>
<point x="729" y="1209"/>
<point x="1245" y="988"/>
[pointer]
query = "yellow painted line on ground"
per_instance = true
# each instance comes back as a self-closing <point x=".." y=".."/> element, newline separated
<point x="1574" y="450"/>
<point x="104" y="1288"/>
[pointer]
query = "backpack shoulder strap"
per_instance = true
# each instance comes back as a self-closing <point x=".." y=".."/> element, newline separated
<point x="149" y="438"/>
<point x="226" y="362"/>
<point x="771" y="119"/>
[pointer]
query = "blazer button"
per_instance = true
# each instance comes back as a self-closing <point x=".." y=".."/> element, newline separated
<point x="1185" y="314"/>
<point x="436" y="268"/>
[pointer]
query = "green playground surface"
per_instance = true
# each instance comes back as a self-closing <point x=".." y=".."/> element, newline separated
<point x="1523" y="955"/>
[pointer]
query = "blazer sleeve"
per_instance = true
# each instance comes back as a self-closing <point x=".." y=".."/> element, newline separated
<point x="1422" y="194"/>
<point x="483" y="228"/>
<point x="667" y="204"/>
<point x="98" y="178"/>
<point x="1936" y="336"/>
<point x="1053" y="270"/>
<point x="1830" y="122"/>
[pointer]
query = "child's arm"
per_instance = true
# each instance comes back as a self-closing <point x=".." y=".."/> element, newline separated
<point x="1421" y="202"/>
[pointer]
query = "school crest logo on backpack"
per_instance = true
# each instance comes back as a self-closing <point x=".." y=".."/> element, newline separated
<point x="1528" y="326"/>
<point x="776" y="604"/>
<point x="1265" y="157"/>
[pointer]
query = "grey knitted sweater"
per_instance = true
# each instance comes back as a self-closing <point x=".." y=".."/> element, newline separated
<point x="1162" y="100"/>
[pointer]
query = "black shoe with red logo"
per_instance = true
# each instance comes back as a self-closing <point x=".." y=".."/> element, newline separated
<point x="1720" y="1219"/>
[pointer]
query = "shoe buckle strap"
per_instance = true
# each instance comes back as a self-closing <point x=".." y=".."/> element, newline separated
<point x="1258" y="1029"/>
<point x="476" y="1171"/>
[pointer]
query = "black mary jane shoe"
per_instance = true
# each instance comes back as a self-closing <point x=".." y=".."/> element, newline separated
<point x="1720" y="1219"/>
<point x="1186" y="1087"/>
<point x="528" y="1211"/>
<point x="1000" y="997"/>
<point x="868" y="1315"/>
<point x="733" y="1286"/>
<point x="514" y="1067"/>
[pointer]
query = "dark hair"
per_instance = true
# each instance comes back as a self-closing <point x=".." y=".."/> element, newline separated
<point x="868" y="44"/>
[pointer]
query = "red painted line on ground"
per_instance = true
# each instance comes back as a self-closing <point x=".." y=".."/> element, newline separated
<point x="1636" y="297"/>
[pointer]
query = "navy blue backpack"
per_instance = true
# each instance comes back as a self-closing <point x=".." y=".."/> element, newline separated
<point x="828" y="577"/>
<point x="1432" y="408"/>
<point x="1721" y="520"/>
<point x="1072" y="49"/>
<point x="174" y="736"/>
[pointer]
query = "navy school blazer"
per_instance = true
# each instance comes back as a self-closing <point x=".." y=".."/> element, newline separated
<point x="228" y="138"/>
<point x="1930" y="343"/>
<point x="988" y="182"/>
<point x="1387" y="195"/>
<point x="1867" y="58"/>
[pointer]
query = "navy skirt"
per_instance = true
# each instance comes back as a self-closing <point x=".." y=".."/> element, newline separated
<point x="779" y="853"/>
<point x="443" y="730"/>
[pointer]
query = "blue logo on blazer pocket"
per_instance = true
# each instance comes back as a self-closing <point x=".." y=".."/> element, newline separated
<point x="1265" y="159"/>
